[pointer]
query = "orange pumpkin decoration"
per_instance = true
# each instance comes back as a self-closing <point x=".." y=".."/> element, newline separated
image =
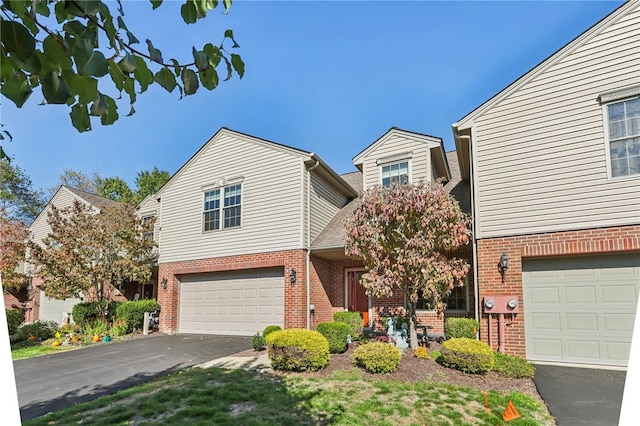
<point x="32" y="338"/>
<point x="96" y="338"/>
<point x="55" y="343"/>
<point x="74" y="339"/>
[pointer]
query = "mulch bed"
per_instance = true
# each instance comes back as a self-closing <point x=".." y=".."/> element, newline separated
<point x="412" y="369"/>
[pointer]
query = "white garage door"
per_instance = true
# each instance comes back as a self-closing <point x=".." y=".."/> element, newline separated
<point x="231" y="303"/>
<point x="581" y="309"/>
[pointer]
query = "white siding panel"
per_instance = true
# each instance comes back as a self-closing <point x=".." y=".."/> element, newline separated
<point x="540" y="152"/>
<point x="325" y="202"/>
<point x="271" y="188"/>
<point x="40" y="227"/>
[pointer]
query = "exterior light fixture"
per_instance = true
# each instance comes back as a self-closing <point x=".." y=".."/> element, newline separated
<point x="164" y="283"/>
<point x="292" y="276"/>
<point x="503" y="265"/>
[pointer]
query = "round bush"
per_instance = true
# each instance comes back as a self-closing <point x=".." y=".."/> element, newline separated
<point x="14" y="319"/>
<point x="377" y="357"/>
<point x="297" y="349"/>
<point x="270" y="329"/>
<point x="468" y="355"/>
<point x="354" y="320"/>
<point x="336" y="333"/>
<point x="460" y="327"/>
<point x="133" y="312"/>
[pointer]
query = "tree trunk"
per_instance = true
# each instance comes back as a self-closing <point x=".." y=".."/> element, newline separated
<point x="413" y="334"/>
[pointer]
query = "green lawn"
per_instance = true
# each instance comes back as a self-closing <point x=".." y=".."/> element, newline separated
<point x="237" y="397"/>
<point x="28" y="349"/>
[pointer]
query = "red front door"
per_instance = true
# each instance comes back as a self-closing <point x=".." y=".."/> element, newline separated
<point x="357" y="299"/>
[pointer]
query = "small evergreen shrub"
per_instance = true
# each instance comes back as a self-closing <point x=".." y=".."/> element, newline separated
<point x="455" y="328"/>
<point x="87" y="312"/>
<point x="512" y="366"/>
<point x="42" y="330"/>
<point x="354" y="320"/>
<point x="270" y="329"/>
<point x="133" y="311"/>
<point x="336" y="333"/>
<point x="377" y="357"/>
<point x="435" y="355"/>
<point x="15" y="317"/>
<point x="297" y="349"/>
<point x="258" y="341"/>
<point x="421" y="352"/>
<point x="467" y="355"/>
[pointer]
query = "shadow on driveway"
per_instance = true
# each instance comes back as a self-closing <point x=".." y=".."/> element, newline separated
<point x="581" y="396"/>
<point x="52" y="382"/>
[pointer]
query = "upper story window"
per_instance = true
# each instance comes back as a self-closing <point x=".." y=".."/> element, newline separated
<point x="223" y="215"/>
<point x="147" y="227"/>
<point x="395" y="173"/>
<point x="623" y="123"/>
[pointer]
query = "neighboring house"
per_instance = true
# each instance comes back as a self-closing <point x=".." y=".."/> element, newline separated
<point x="554" y="163"/>
<point x="251" y="233"/>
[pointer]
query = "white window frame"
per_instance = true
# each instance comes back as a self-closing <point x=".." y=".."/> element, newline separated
<point x="221" y="208"/>
<point x="381" y="166"/>
<point x="606" y="100"/>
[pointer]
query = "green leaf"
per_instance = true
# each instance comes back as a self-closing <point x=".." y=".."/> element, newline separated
<point x="61" y="12"/>
<point x="213" y="53"/>
<point x="209" y="78"/>
<point x="81" y="31"/>
<point x="237" y="63"/>
<point x="227" y="6"/>
<point x="201" y="59"/>
<point x="229" y="34"/>
<point x="112" y="113"/>
<point x="99" y="107"/>
<point x="17" y="89"/>
<point x="189" y="81"/>
<point x="229" y="69"/>
<point x="130" y="88"/>
<point x="80" y="118"/>
<point x="55" y="89"/>
<point x="121" y="23"/>
<point x="142" y="73"/>
<point x="156" y="3"/>
<point x="89" y="61"/>
<point x="188" y="12"/>
<point x="86" y="88"/>
<point x="166" y="79"/>
<point x="31" y="64"/>
<point x="176" y="67"/>
<point x="55" y="53"/>
<point x="90" y="7"/>
<point x="3" y="155"/>
<point x="132" y="38"/>
<point x="110" y="31"/>
<point x="154" y="53"/>
<point x="117" y="76"/>
<point x="42" y="8"/>
<point x="128" y="63"/>
<point x="17" y="39"/>
<point x="131" y="111"/>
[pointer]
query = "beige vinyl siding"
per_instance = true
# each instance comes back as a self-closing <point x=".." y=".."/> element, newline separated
<point x="325" y="202"/>
<point x="540" y="151"/>
<point x="271" y="189"/>
<point x="40" y="227"/>
<point x="419" y="163"/>
<point x="151" y="207"/>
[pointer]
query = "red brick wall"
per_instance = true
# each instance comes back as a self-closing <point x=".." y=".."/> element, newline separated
<point x="295" y="296"/>
<point x="590" y="241"/>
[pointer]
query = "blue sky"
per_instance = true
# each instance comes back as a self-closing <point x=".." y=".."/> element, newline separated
<point x="328" y="77"/>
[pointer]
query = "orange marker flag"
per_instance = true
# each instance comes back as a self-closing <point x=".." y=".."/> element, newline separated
<point x="510" y="412"/>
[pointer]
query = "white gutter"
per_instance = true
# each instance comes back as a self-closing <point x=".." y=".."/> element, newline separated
<point x="308" y="266"/>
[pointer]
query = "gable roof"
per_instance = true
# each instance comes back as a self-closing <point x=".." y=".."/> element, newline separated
<point x="309" y="157"/>
<point x="434" y="143"/>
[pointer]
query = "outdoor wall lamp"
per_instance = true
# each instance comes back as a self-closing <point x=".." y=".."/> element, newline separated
<point x="292" y="276"/>
<point x="503" y="265"/>
<point x="164" y="283"/>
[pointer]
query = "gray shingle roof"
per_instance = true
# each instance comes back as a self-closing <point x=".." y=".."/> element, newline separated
<point x="92" y="199"/>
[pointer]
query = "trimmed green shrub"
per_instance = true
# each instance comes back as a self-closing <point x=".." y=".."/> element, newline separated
<point x="258" y="341"/>
<point x="512" y="366"/>
<point x="87" y="312"/>
<point x="133" y="311"/>
<point x="354" y="320"/>
<point x="297" y="349"/>
<point x="270" y="329"/>
<point x="435" y="354"/>
<point x="42" y="330"/>
<point x="467" y="355"/>
<point x="377" y="357"/>
<point x="14" y="319"/>
<point x="460" y="327"/>
<point x="336" y="333"/>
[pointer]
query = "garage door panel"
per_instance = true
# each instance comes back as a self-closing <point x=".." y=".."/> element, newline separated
<point x="237" y="302"/>
<point x="587" y="303"/>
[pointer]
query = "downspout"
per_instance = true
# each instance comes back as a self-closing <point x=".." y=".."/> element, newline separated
<point x="308" y="260"/>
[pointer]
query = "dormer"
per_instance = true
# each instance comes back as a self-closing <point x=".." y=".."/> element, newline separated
<point x="400" y="155"/>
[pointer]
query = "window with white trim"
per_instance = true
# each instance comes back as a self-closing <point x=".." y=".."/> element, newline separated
<point x="395" y="173"/>
<point x="217" y="215"/>
<point x="623" y="125"/>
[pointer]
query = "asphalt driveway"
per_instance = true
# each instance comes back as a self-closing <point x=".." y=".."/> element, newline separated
<point x="581" y="396"/>
<point x="52" y="382"/>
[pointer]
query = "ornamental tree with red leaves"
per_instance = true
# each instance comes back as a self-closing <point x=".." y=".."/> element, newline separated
<point x="404" y="233"/>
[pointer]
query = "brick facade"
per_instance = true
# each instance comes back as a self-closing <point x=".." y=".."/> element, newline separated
<point x="581" y="242"/>
<point x="295" y="295"/>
